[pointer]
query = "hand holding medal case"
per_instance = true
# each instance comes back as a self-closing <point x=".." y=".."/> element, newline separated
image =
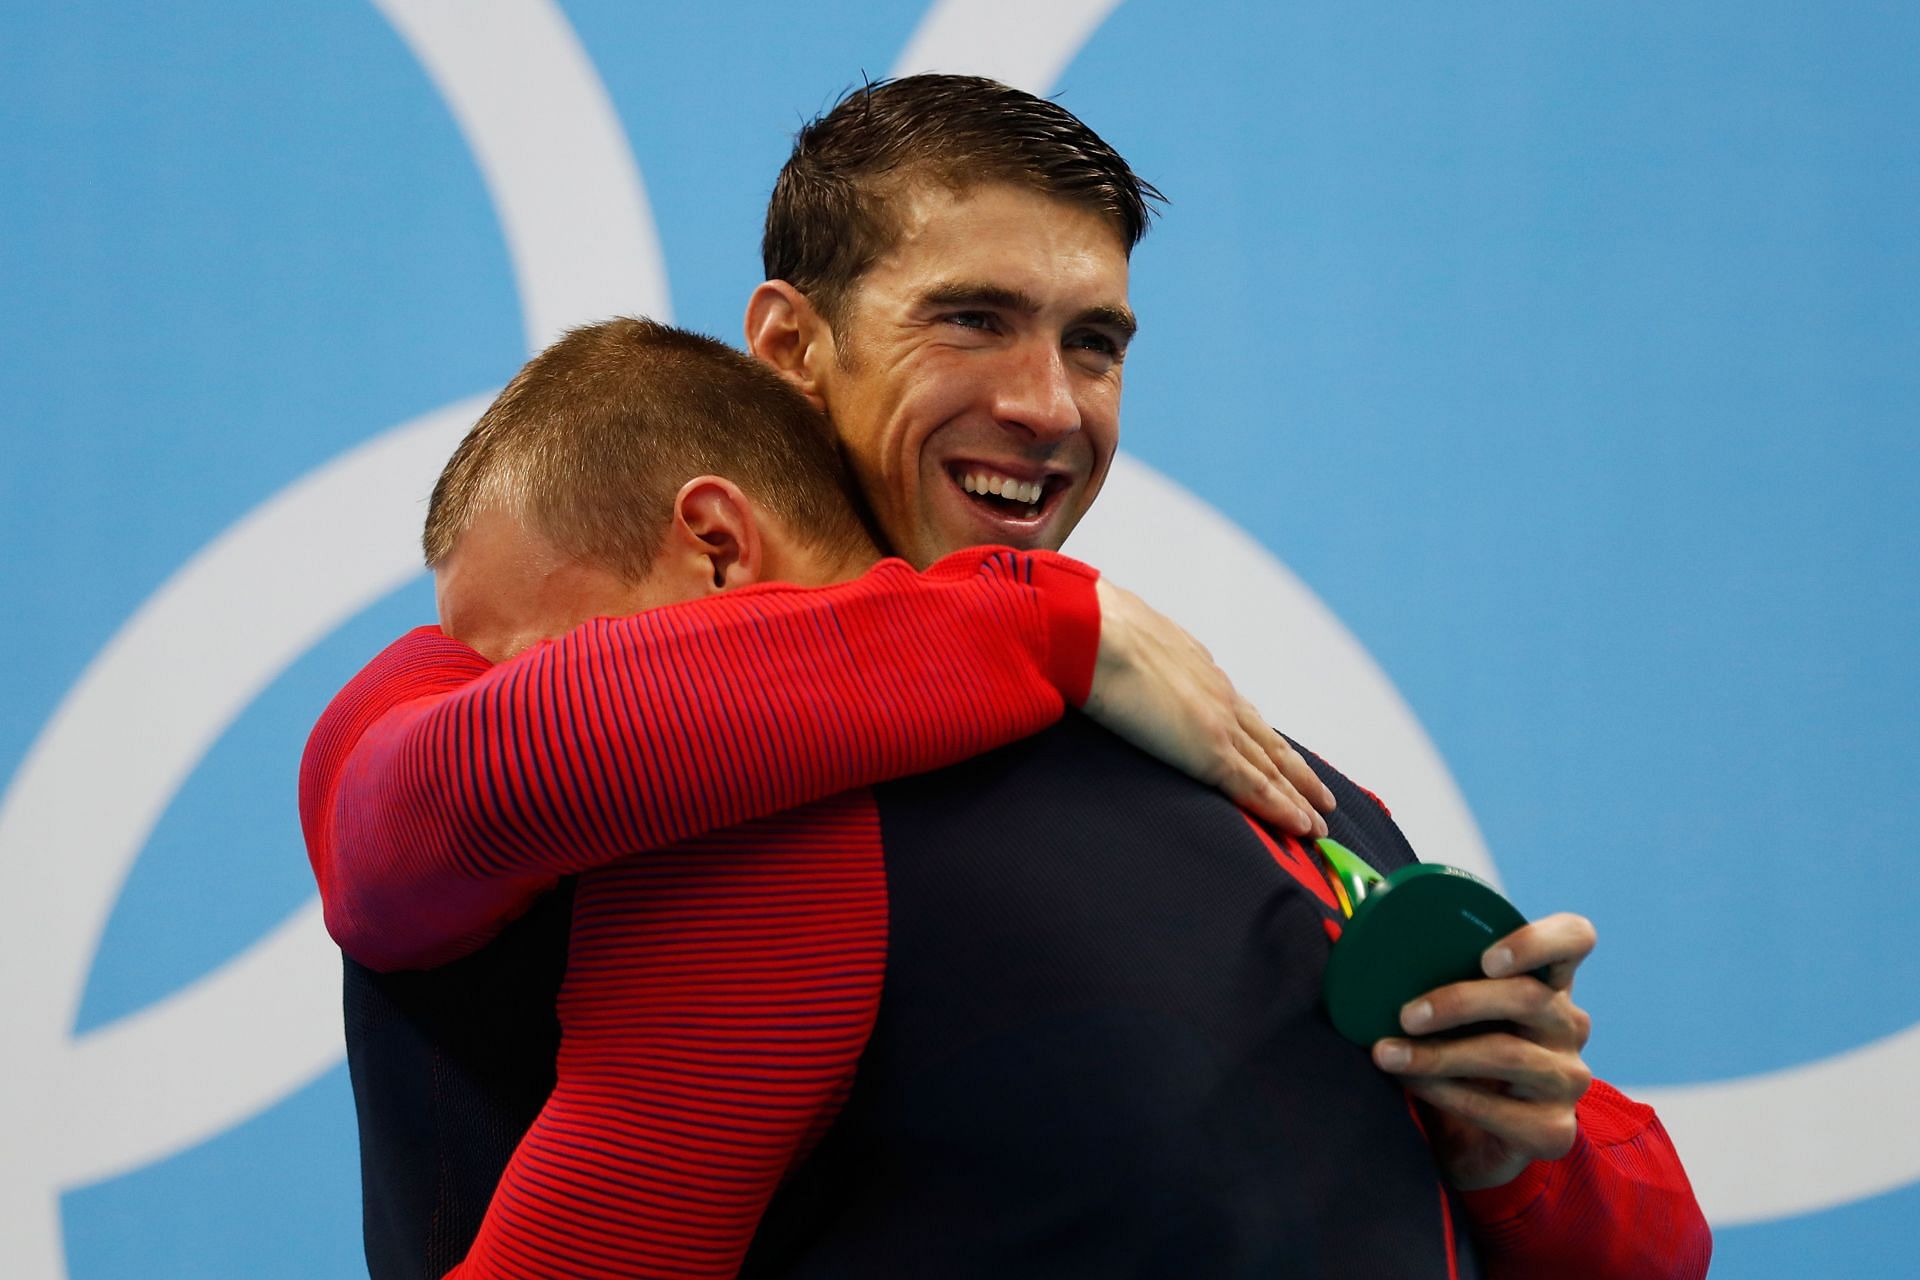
<point x="1422" y="927"/>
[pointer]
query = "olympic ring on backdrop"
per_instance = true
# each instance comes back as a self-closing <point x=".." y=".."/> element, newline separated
<point x="582" y="243"/>
<point x="80" y="1109"/>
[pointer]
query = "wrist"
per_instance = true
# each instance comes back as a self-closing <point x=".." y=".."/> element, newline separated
<point x="1513" y="1198"/>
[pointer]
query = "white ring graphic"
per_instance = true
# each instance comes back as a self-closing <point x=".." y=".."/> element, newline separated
<point x="557" y="164"/>
<point x="1021" y="44"/>
<point x="222" y="628"/>
<point x="575" y="217"/>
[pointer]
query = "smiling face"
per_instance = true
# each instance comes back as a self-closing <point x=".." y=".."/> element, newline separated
<point x="976" y="372"/>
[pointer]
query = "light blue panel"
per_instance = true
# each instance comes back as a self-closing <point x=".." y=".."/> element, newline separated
<point x="238" y="244"/>
<point x="1871" y="1238"/>
<point x="1571" y="353"/>
<point x="236" y="247"/>
<point x="278" y="1197"/>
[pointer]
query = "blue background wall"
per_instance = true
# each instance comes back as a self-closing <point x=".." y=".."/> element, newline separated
<point x="1570" y="354"/>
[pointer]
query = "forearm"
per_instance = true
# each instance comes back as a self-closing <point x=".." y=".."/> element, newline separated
<point x="1616" y="1207"/>
<point x="632" y="733"/>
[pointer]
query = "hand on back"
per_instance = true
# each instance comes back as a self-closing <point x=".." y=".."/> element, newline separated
<point x="1158" y="687"/>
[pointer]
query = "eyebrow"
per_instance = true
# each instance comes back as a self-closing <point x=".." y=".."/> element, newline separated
<point x="965" y="293"/>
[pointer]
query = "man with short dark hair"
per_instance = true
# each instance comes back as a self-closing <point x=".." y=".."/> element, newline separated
<point x="966" y="329"/>
<point x="969" y="353"/>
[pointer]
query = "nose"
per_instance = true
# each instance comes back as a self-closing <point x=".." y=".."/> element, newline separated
<point x="1036" y="394"/>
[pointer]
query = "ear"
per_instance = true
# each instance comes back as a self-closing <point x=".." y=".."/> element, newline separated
<point x="718" y="530"/>
<point x="784" y="331"/>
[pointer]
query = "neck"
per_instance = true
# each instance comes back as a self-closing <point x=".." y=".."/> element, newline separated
<point x="813" y="566"/>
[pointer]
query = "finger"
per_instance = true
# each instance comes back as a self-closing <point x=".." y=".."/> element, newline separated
<point x="1537" y="1010"/>
<point x="1541" y="1130"/>
<point x="1274" y="757"/>
<point x="1527" y="1070"/>
<point x="1305" y="821"/>
<point x="1268" y="802"/>
<point x="1299" y="816"/>
<point x="1272" y="799"/>
<point x="1558" y="943"/>
<point x="1290" y="763"/>
<point x="1254" y="749"/>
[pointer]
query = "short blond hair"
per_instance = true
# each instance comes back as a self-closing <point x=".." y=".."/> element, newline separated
<point x="595" y="435"/>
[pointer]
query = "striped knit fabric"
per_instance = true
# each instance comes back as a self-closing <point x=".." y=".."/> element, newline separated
<point x="437" y="805"/>
<point x="717" y="998"/>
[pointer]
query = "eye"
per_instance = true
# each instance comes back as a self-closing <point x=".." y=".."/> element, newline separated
<point x="982" y="320"/>
<point x="1100" y="352"/>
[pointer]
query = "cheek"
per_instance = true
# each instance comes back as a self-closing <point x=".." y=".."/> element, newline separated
<point x="1095" y="482"/>
<point x="1100" y="420"/>
<point x="883" y="430"/>
<point x="910" y="445"/>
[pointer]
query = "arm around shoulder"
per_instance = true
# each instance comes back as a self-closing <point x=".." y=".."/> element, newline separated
<point x="439" y="795"/>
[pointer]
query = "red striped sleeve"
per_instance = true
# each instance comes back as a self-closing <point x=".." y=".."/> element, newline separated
<point x="1616" y="1207"/>
<point x="717" y="999"/>
<point x="439" y="796"/>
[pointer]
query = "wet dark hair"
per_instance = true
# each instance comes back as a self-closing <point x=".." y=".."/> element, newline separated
<point x="830" y="216"/>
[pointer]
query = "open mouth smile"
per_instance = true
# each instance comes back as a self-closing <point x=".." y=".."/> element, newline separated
<point x="1007" y="498"/>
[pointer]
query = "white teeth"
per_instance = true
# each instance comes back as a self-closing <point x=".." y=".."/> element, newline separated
<point x="1026" y="491"/>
